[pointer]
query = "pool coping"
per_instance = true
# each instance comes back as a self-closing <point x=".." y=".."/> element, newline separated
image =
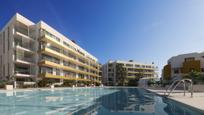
<point x="185" y="104"/>
<point x="51" y="89"/>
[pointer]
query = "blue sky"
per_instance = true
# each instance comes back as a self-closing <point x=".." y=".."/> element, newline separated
<point x="143" y="30"/>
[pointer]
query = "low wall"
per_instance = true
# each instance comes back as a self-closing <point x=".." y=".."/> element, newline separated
<point x="198" y="88"/>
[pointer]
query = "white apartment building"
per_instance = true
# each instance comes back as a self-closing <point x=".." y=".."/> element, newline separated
<point x="134" y="69"/>
<point x="30" y="52"/>
<point x="181" y="65"/>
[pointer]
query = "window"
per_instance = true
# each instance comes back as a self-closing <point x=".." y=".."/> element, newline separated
<point x="137" y="65"/>
<point x="129" y="65"/>
<point x="51" y="35"/>
<point x="110" y="65"/>
<point x="3" y="70"/>
<point x="1" y="60"/>
<point x="8" y="39"/>
<point x="57" y="72"/>
<point x="0" y="38"/>
<point x="8" y="69"/>
<point x="202" y="69"/>
<point x="1" y="63"/>
<point x="130" y="69"/>
<point x="109" y="70"/>
<point x="46" y="70"/>
<point x="176" y="71"/>
<point x="50" y="58"/>
<point x="189" y="59"/>
<point x="110" y="79"/>
<point x="4" y="42"/>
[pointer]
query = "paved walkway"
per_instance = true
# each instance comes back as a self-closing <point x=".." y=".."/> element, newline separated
<point x="197" y="101"/>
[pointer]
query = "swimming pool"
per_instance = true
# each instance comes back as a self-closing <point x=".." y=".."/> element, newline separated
<point x="90" y="101"/>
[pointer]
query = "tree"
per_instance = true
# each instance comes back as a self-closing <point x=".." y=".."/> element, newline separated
<point x="140" y="75"/>
<point x="194" y="76"/>
<point x="134" y="82"/>
<point x="151" y="82"/>
<point x="121" y="74"/>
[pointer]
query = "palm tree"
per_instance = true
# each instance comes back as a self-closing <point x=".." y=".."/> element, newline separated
<point x="134" y="81"/>
<point x="121" y="74"/>
<point x="195" y="76"/>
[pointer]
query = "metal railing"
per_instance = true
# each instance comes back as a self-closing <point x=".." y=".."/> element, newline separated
<point x="24" y="45"/>
<point x="25" y="59"/>
<point x="176" y="83"/>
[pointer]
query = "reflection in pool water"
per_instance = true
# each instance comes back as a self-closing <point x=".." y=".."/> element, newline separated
<point x="138" y="102"/>
<point x="90" y="101"/>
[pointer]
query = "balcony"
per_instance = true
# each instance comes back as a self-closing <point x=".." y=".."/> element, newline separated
<point x="46" y="63"/>
<point x="58" y="55"/>
<point x="48" y="75"/>
<point x="23" y="75"/>
<point x="24" y="72"/>
<point x="24" y="31"/>
<point x="19" y="34"/>
<point x="18" y="47"/>
<point x="49" y="39"/>
<point x="24" y="44"/>
<point x="24" y="47"/>
<point x="53" y="41"/>
<point x="24" y="60"/>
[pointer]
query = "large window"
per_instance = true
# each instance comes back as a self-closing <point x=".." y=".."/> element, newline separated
<point x="176" y="70"/>
<point x="190" y="59"/>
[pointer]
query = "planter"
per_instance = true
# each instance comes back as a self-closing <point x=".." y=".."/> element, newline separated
<point x="9" y="87"/>
<point x="52" y="86"/>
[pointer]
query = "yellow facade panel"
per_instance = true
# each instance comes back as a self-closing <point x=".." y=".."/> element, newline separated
<point x="52" y="64"/>
<point x="188" y="66"/>
<point x="47" y="75"/>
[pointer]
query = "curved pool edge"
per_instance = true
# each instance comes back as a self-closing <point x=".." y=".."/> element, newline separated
<point x="172" y="99"/>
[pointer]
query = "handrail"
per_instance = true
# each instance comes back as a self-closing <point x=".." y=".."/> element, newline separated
<point x="175" y="87"/>
<point x="58" y="83"/>
<point x="171" y="88"/>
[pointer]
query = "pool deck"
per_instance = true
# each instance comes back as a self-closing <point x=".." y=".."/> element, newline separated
<point x="197" y="101"/>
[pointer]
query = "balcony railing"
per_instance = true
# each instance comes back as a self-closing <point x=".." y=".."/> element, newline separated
<point x="24" y="71"/>
<point x="51" y="59"/>
<point x="23" y="35"/>
<point x="22" y="30"/>
<point x="25" y="59"/>
<point x="24" y="45"/>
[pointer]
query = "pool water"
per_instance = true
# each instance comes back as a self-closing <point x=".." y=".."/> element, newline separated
<point x="90" y="101"/>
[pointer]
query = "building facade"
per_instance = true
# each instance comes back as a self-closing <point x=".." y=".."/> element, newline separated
<point x="32" y="52"/>
<point x="181" y="66"/>
<point x="133" y="70"/>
